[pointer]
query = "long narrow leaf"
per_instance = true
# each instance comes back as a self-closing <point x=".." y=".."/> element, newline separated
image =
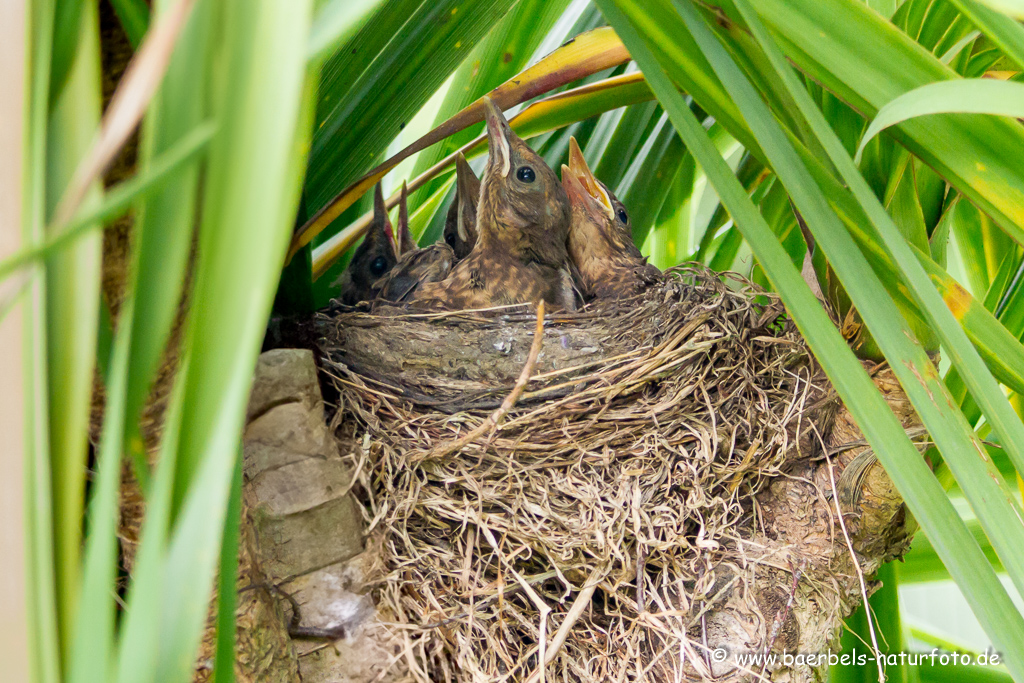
<point x="127" y="106"/>
<point x="972" y="96"/>
<point x="1007" y="34"/>
<point x="585" y="55"/>
<point x="836" y="42"/>
<point x="139" y="643"/>
<point x="227" y="581"/>
<point x="634" y="126"/>
<point x="1015" y="8"/>
<point x="15" y="537"/>
<point x="541" y="116"/>
<point x="164" y="225"/>
<point x="43" y="636"/>
<point x="649" y="179"/>
<point x="1000" y="349"/>
<point x="134" y="18"/>
<point x="355" y="56"/>
<point x="355" y="127"/>
<point x="67" y="28"/>
<point x="92" y="648"/>
<point x="334" y="23"/>
<point x="118" y="199"/>
<point x="996" y="509"/>
<point x="922" y="563"/>
<point x="72" y="312"/>
<point x="695" y="75"/>
<point x="251" y="196"/>
<point x="983" y="386"/>
<point x="910" y="474"/>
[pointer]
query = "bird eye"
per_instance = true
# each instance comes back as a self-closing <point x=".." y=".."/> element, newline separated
<point x="622" y="216"/>
<point x="525" y="174"/>
<point x="378" y="265"/>
<point x="450" y="239"/>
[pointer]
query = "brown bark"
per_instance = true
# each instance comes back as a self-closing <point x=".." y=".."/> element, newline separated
<point x="305" y="535"/>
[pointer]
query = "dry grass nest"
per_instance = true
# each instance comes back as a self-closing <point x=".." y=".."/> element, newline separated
<point x="587" y="527"/>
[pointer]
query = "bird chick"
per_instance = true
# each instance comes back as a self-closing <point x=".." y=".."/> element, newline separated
<point x="522" y="224"/>
<point x="374" y="257"/>
<point x="600" y="236"/>
<point x="415" y="266"/>
<point x="460" y="223"/>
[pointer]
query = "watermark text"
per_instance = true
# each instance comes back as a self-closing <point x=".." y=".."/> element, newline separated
<point x="758" y="660"/>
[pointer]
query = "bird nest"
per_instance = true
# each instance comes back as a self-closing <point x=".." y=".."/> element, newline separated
<point x="585" y="517"/>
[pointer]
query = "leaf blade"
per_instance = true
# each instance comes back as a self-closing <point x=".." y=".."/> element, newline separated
<point x="587" y="54"/>
<point x="968" y="96"/>
<point x="541" y="116"/>
<point x="912" y="477"/>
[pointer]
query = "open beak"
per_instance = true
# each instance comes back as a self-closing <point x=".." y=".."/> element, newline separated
<point x="582" y="187"/>
<point x="498" y="138"/>
<point x="380" y="216"/>
<point x="468" y="186"/>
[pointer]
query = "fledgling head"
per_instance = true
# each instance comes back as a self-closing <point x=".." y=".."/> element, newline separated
<point x="599" y="220"/>
<point x="460" y="223"/>
<point x="522" y="204"/>
<point x="406" y="243"/>
<point x="375" y="256"/>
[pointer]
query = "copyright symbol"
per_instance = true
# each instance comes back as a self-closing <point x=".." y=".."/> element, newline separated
<point x="719" y="654"/>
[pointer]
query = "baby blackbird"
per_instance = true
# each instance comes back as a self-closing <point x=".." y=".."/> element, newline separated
<point x="522" y="224"/>
<point x="415" y="266"/>
<point x="374" y="257"/>
<point x="601" y="237"/>
<point x="460" y="223"/>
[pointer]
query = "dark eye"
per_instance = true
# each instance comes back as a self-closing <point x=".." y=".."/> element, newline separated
<point x="525" y="174"/>
<point x="450" y="239"/>
<point x="378" y="265"/>
<point x="622" y="216"/>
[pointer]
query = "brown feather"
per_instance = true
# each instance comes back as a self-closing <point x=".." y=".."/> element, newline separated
<point x="374" y="257"/>
<point x="415" y="269"/>
<point x="600" y="243"/>
<point x="522" y="224"/>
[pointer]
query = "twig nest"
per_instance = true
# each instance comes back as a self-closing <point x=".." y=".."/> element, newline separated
<point x="591" y="528"/>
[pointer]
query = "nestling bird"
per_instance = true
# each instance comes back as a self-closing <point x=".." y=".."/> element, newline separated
<point x="600" y="236"/>
<point x="522" y="225"/>
<point x="374" y="257"/>
<point x="415" y="267"/>
<point x="460" y="223"/>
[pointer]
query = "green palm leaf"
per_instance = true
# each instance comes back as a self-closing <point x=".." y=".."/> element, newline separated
<point x="975" y="96"/>
<point x="931" y="508"/>
<point x="736" y="120"/>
